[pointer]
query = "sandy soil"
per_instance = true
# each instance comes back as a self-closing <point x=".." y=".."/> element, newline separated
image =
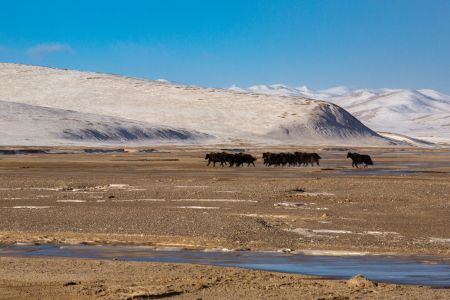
<point x="399" y="206"/>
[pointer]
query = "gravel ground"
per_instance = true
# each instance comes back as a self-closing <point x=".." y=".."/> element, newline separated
<point x="399" y="206"/>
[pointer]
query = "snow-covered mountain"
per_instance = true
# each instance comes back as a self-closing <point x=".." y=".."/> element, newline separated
<point x="123" y="109"/>
<point x="419" y="113"/>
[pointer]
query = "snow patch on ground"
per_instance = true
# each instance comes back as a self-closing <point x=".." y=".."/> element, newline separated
<point x="198" y="207"/>
<point x="332" y="231"/>
<point x="290" y="204"/>
<point x="71" y="201"/>
<point x="29" y="207"/>
<point x="314" y="194"/>
<point x="214" y="200"/>
<point x="138" y="200"/>
<point x="191" y="186"/>
<point x="332" y="252"/>
<point x="439" y="240"/>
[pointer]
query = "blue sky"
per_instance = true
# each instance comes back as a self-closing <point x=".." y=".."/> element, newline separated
<point x="358" y="43"/>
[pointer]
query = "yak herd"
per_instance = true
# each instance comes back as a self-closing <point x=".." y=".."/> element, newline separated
<point x="290" y="159"/>
<point x="295" y="159"/>
<point x="238" y="159"/>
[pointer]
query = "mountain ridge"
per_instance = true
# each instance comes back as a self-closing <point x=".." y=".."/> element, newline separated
<point x="423" y="113"/>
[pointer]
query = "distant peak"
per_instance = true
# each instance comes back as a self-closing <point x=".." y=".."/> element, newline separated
<point x="236" y="88"/>
<point x="338" y="90"/>
<point x="163" y="80"/>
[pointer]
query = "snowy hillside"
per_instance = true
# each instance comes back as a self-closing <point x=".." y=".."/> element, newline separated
<point x="33" y="125"/>
<point x="226" y="116"/>
<point x="418" y="113"/>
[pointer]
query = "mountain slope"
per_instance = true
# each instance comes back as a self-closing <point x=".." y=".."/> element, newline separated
<point x="23" y="124"/>
<point x="228" y="116"/>
<point x="419" y="113"/>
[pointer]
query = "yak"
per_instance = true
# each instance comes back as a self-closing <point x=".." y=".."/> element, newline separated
<point x="360" y="159"/>
<point x="214" y="158"/>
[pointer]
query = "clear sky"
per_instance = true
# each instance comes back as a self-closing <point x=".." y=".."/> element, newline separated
<point x="319" y="43"/>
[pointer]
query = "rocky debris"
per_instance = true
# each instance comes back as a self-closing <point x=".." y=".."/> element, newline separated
<point x="72" y="282"/>
<point x="359" y="281"/>
<point x="298" y="190"/>
<point x="286" y="250"/>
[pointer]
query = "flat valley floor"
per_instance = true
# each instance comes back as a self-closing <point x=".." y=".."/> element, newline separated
<point x="401" y="205"/>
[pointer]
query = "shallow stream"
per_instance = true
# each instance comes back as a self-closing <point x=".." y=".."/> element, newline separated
<point x="432" y="271"/>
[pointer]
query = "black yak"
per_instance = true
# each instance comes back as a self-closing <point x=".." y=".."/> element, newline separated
<point x="311" y="158"/>
<point x="215" y="157"/>
<point x="360" y="159"/>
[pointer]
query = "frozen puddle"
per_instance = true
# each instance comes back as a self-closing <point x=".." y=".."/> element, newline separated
<point x="420" y="270"/>
<point x="214" y="200"/>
